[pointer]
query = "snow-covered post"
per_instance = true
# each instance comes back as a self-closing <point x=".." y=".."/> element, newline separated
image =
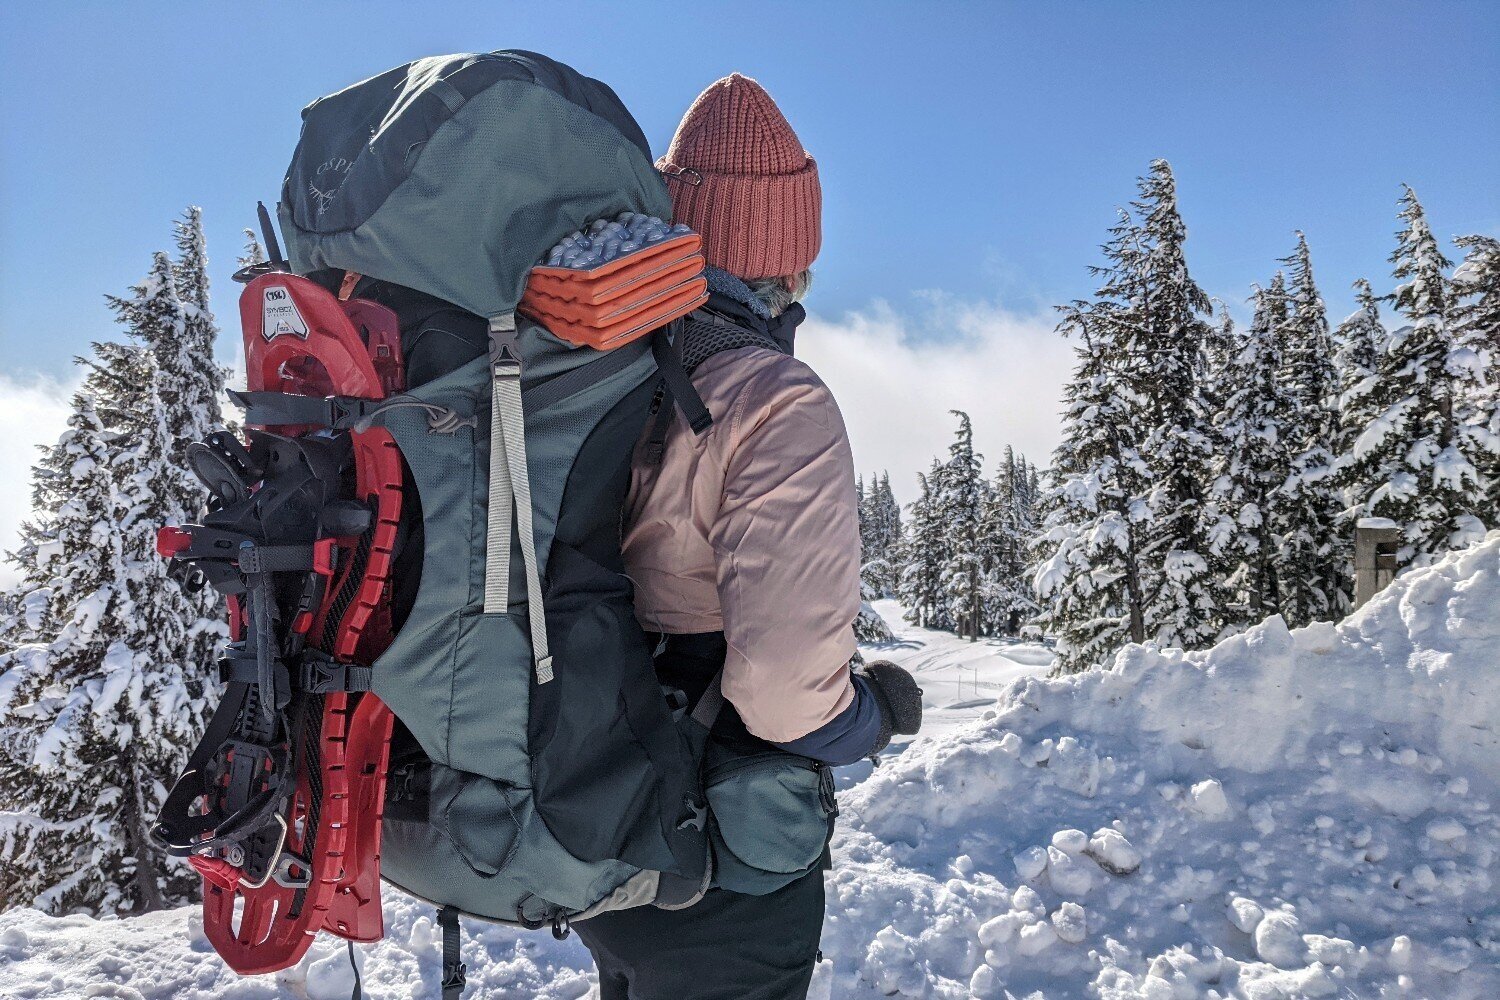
<point x="1376" y="540"/>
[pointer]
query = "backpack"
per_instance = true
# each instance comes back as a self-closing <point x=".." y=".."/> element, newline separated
<point x="436" y="675"/>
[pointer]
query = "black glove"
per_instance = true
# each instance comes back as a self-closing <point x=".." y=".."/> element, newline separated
<point x="899" y="699"/>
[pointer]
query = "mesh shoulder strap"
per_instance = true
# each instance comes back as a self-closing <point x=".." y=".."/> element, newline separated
<point x="706" y="333"/>
<point x="695" y="339"/>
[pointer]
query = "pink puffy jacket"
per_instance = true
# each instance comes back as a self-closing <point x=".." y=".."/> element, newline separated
<point x="752" y="528"/>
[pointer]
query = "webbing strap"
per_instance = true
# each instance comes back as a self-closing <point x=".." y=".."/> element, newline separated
<point x="455" y="973"/>
<point x="667" y="346"/>
<point x="499" y="514"/>
<point x="711" y="703"/>
<point x="510" y="495"/>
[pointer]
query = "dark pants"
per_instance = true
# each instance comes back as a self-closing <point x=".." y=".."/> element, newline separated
<point x="728" y="946"/>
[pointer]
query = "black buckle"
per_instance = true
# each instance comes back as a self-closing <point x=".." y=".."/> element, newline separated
<point x="455" y="976"/>
<point x="320" y="675"/>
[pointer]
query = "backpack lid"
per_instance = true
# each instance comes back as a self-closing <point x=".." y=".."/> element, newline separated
<point x="455" y="174"/>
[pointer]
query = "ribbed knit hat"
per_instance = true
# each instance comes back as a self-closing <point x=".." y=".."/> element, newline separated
<point x="739" y="176"/>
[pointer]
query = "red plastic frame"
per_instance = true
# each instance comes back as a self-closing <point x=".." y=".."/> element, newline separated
<point x="321" y="346"/>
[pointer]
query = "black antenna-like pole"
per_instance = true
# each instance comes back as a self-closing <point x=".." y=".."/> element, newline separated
<point x="268" y="231"/>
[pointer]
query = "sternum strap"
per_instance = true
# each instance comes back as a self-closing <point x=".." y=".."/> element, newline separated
<point x="510" y="494"/>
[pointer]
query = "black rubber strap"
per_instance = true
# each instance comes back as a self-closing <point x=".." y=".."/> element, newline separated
<point x="358" y="992"/>
<point x="454" y="972"/>
<point x="272" y="408"/>
<point x="668" y="351"/>
<point x="253" y="559"/>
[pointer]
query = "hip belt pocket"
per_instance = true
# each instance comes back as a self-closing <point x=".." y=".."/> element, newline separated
<point x="772" y="814"/>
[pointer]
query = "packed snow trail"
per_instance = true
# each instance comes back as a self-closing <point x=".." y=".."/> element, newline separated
<point x="1291" y="814"/>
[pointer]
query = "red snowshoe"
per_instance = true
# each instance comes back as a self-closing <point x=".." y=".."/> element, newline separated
<point x="279" y="807"/>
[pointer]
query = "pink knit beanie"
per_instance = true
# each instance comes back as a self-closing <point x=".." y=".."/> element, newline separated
<point x="739" y="176"/>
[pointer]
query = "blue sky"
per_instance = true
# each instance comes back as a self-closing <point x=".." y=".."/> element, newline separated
<point x="976" y="150"/>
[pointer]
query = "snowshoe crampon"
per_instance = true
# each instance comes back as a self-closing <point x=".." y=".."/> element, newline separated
<point x="279" y="808"/>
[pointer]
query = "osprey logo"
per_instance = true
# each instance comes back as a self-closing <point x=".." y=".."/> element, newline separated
<point x="279" y="315"/>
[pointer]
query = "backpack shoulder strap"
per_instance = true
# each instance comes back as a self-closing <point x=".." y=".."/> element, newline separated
<point x="707" y="332"/>
<point x="680" y="349"/>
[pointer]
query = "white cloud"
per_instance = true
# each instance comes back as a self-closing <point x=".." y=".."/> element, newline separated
<point x="33" y="411"/>
<point x="896" y="376"/>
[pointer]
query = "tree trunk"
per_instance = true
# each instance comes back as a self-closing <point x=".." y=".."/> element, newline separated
<point x="148" y="887"/>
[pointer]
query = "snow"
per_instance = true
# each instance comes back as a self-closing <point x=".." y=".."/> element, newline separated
<point x="1291" y="814"/>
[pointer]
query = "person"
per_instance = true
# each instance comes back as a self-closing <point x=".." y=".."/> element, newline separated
<point x="743" y="546"/>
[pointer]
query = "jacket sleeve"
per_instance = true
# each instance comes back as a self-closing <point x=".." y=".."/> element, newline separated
<point x="786" y="547"/>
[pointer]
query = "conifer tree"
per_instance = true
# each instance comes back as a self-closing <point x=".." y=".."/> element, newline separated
<point x="180" y="336"/>
<point x="1123" y="551"/>
<point x="199" y="329"/>
<point x="112" y="374"/>
<point x="1313" y="582"/>
<point x="1255" y="462"/>
<point x="1087" y="572"/>
<point x="880" y="534"/>
<point x="104" y="695"/>
<point x="960" y="504"/>
<point x="1361" y="340"/>
<point x="1182" y="605"/>
<point x="922" y="555"/>
<point x="1006" y="529"/>
<point x="92" y="720"/>
<point x="253" y="253"/>
<point x="1476" y="334"/>
<point x="1416" y="460"/>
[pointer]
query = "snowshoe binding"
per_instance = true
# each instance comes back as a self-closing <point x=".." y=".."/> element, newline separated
<point x="279" y="808"/>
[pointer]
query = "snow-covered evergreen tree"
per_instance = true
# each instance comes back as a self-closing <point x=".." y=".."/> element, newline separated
<point x="1314" y="581"/>
<point x="112" y="374"/>
<point x="253" y="253"/>
<point x="959" y="503"/>
<point x="922" y="551"/>
<point x="1361" y="340"/>
<point x="1087" y="572"/>
<point x="92" y="721"/>
<point x="1182" y="605"/>
<point x="1124" y="549"/>
<point x="1254" y="463"/>
<point x="198" y="411"/>
<point x="1416" y="462"/>
<point x="1006" y="527"/>
<point x="180" y="336"/>
<point x="1476" y="335"/>
<point x="879" y="534"/>
<point x="103" y="693"/>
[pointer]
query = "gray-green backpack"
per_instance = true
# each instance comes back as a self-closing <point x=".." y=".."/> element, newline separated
<point x="537" y="773"/>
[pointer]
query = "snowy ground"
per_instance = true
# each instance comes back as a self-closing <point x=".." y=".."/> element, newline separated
<point x="1292" y="814"/>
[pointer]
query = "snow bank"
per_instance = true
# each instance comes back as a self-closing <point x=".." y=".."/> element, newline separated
<point x="1291" y="814"/>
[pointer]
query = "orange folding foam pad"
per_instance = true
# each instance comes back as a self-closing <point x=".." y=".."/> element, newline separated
<point x="616" y="323"/>
<point x="621" y="300"/>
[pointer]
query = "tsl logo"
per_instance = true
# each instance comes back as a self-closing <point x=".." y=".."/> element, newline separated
<point x="279" y="316"/>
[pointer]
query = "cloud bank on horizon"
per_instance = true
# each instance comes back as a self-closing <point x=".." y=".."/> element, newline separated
<point x="895" y="374"/>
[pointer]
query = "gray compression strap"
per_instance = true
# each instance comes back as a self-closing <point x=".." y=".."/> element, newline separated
<point x="706" y="712"/>
<point x="509" y="477"/>
<point x="455" y="973"/>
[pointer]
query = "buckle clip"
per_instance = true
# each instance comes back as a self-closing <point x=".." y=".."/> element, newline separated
<point x="455" y="976"/>
<point x="325" y="556"/>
